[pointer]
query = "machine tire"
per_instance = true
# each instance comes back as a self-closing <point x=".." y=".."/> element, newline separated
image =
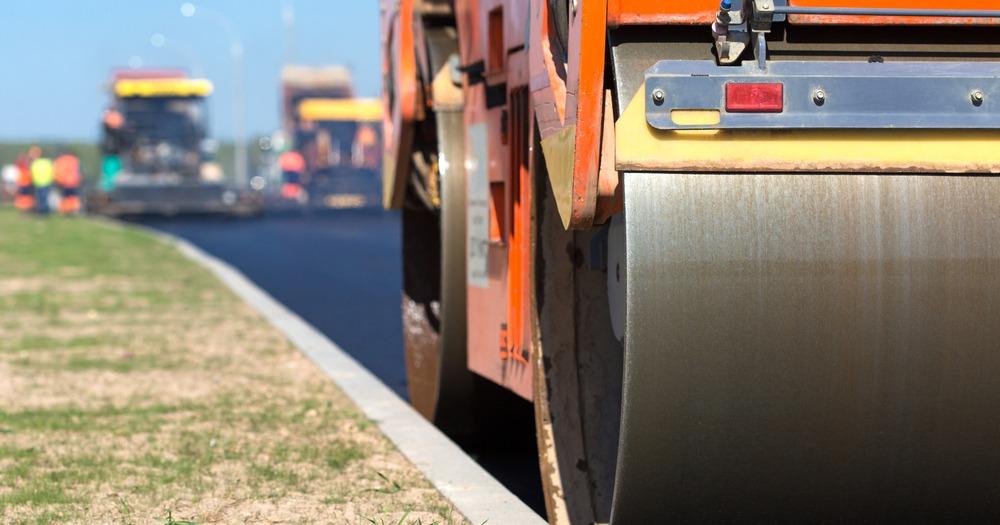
<point x="421" y="307"/>
<point x="439" y="383"/>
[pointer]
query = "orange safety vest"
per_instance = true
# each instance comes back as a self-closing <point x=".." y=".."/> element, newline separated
<point x="366" y="136"/>
<point x="23" y="171"/>
<point x="67" y="168"/>
<point x="24" y="178"/>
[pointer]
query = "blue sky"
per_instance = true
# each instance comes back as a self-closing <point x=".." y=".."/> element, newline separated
<point x="56" y="55"/>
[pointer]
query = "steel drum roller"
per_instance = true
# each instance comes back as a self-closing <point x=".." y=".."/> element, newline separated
<point x="810" y="347"/>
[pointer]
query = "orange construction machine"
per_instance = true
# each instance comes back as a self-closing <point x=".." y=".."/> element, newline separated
<point x="742" y="256"/>
<point x="336" y="134"/>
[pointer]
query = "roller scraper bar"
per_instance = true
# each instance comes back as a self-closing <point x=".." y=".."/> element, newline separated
<point x="825" y="95"/>
<point x="887" y="12"/>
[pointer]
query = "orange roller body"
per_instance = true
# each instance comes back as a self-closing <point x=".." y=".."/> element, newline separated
<point x="642" y="183"/>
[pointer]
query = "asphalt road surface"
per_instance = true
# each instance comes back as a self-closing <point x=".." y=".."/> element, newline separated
<point x="340" y="271"/>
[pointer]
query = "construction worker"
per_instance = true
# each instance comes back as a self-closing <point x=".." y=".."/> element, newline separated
<point x="114" y="132"/>
<point x="365" y="151"/>
<point x="42" y="176"/>
<point x="114" y="142"/>
<point x="67" y="176"/>
<point x="110" y="168"/>
<point x="292" y="165"/>
<point x="24" y="199"/>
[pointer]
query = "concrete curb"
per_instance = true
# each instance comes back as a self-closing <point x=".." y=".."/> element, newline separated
<point x="473" y="491"/>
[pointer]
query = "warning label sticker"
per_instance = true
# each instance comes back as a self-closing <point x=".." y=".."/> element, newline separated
<point x="477" y="170"/>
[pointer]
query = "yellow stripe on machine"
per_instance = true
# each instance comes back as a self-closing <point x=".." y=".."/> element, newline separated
<point x="163" y="87"/>
<point x="347" y="109"/>
<point x="640" y="147"/>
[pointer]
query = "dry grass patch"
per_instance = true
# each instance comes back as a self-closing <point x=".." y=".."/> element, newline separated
<point x="136" y="389"/>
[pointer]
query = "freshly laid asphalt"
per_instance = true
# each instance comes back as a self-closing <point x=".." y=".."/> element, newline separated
<point x="340" y="271"/>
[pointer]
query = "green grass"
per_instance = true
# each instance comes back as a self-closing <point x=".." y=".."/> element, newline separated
<point x="120" y="365"/>
<point x="203" y="402"/>
<point x="36" y="494"/>
<point x="268" y="472"/>
<point x="74" y="252"/>
<point x="42" y="342"/>
<point x="339" y="455"/>
<point x="132" y="417"/>
<point x="47" y="517"/>
<point x="169" y="520"/>
<point x="180" y="460"/>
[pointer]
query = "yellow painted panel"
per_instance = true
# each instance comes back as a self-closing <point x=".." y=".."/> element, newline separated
<point x="327" y="109"/>
<point x="163" y="87"/>
<point x="640" y="147"/>
<point x="696" y="117"/>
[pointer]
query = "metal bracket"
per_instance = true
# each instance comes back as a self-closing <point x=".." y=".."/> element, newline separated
<point x="830" y="95"/>
<point x="732" y="26"/>
<point x="729" y="32"/>
<point x="761" y="15"/>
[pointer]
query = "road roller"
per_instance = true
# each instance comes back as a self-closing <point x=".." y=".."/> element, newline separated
<point x="743" y="257"/>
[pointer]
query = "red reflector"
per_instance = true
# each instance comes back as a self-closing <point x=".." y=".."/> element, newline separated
<point x="754" y="98"/>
